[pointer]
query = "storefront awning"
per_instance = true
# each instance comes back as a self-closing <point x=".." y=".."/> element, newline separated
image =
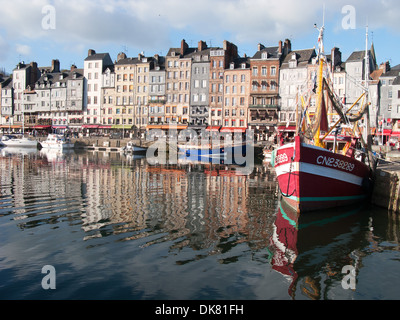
<point x="233" y="129"/>
<point x="90" y="126"/>
<point x="105" y="127"/>
<point x="287" y="128"/>
<point x="42" y="127"/>
<point x="213" y="128"/>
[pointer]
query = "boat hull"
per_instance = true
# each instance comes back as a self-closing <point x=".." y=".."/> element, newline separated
<point x="20" y="143"/>
<point x="312" y="178"/>
<point x="57" y="146"/>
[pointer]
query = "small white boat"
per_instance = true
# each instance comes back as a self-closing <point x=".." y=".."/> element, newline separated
<point x="132" y="148"/>
<point x="10" y="140"/>
<point x="57" y="141"/>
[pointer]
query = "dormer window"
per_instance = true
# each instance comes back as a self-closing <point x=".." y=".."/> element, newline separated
<point x="243" y="66"/>
<point x="232" y="66"/>
<point x="264" y="55"/>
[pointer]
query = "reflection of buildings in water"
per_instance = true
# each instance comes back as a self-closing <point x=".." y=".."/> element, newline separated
<point x="36" y="187"/>
<point x="194" y="205"/>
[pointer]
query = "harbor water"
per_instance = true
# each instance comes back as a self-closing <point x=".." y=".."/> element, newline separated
<point x="93" y="225"/>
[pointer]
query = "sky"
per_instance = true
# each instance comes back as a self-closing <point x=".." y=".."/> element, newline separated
<point x="43" y="30"/>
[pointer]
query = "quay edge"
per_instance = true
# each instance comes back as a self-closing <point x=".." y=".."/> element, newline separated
<point x="386" y="192"/>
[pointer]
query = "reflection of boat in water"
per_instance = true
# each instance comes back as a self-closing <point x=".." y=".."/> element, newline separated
<point x="15" y="150"/>
<point x="319" y="243"/>
<point x="53" y="155"/>
<point x="57" y="141"/>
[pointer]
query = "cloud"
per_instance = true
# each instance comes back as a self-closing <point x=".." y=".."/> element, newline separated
<point x="145" y="20"/>
<point x="4" y="49"/>
<point x="23" y="49"/>
<point x="151" y="24"/>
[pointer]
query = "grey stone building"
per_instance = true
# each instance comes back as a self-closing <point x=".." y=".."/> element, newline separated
<point x="199" y="92"/>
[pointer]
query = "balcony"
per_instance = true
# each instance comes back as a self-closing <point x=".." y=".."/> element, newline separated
<point x="266" y="106"/>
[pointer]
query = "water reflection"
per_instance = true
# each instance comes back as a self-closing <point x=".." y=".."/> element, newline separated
<point x="203" y="228"/>
<point x="311" y="250"/>
<point x="192" y="205"/>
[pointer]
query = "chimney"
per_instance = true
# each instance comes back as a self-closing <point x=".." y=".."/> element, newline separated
<point x="156" y="57"/>
<point x="55" y="65"/>
<point x="336" y="57"/>
<point x="184" y="47"/>
<point x="280" y="47"/>
<point x="287" y="48"/>
<point x="385" y="66"/>
<point x="91" y="52"/>
<point x="260" y="47"/>
<point x="120" y="56"/>
<point x="140" y="56"/>
<point x="73" y="67"/>
<point x="202" y="45"/>
<point x="34" y="73"/>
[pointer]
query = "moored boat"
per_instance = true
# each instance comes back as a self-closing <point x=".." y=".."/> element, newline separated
<point x="132" y="148"/>
<point x="10" y="140"/>
<point x="312" y="178"/>
<point x="57" y="141"/>
<point x="214" y="151"/>
<point x="327" y="166"/>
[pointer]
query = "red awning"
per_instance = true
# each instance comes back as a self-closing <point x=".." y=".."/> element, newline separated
<point x="386" y="132"/>
<point x="90" y="126"/>
<point x="233" y="129"/>
<point x="105" y="127"/>
<point x="213" y="128"/>
<point x="287" y="129"/>
<point x="42" y="127"/>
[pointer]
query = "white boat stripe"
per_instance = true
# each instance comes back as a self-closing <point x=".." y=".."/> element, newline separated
<point x="319" y="171"/>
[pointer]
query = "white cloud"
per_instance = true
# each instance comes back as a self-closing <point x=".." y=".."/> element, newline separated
<point x="143" y="20"/>
<point x="151" y="24"/>
<point x="23" y="49"/>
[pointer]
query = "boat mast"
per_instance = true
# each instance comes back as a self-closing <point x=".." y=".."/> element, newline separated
<point x="321" y="61"/>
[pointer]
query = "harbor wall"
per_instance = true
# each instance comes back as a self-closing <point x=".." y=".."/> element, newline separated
<point x="386" y="193"/>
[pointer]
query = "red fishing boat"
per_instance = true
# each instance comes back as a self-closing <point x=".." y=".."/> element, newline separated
<point x="312" y="178"/>
<point x="314" y="173"/>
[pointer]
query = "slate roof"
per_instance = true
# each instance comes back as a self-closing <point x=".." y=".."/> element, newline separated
<point x="396" y="81"/>
<point x="97" y="56"/>
<point x="303" y="57"/>
<point x="273" y="52"/>
<point x="54" y="77"/>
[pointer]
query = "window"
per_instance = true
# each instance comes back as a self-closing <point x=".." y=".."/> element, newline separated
<point x="264" y="71"/>
<point x="255" y="71"/>
<point x="273" y="71"/>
